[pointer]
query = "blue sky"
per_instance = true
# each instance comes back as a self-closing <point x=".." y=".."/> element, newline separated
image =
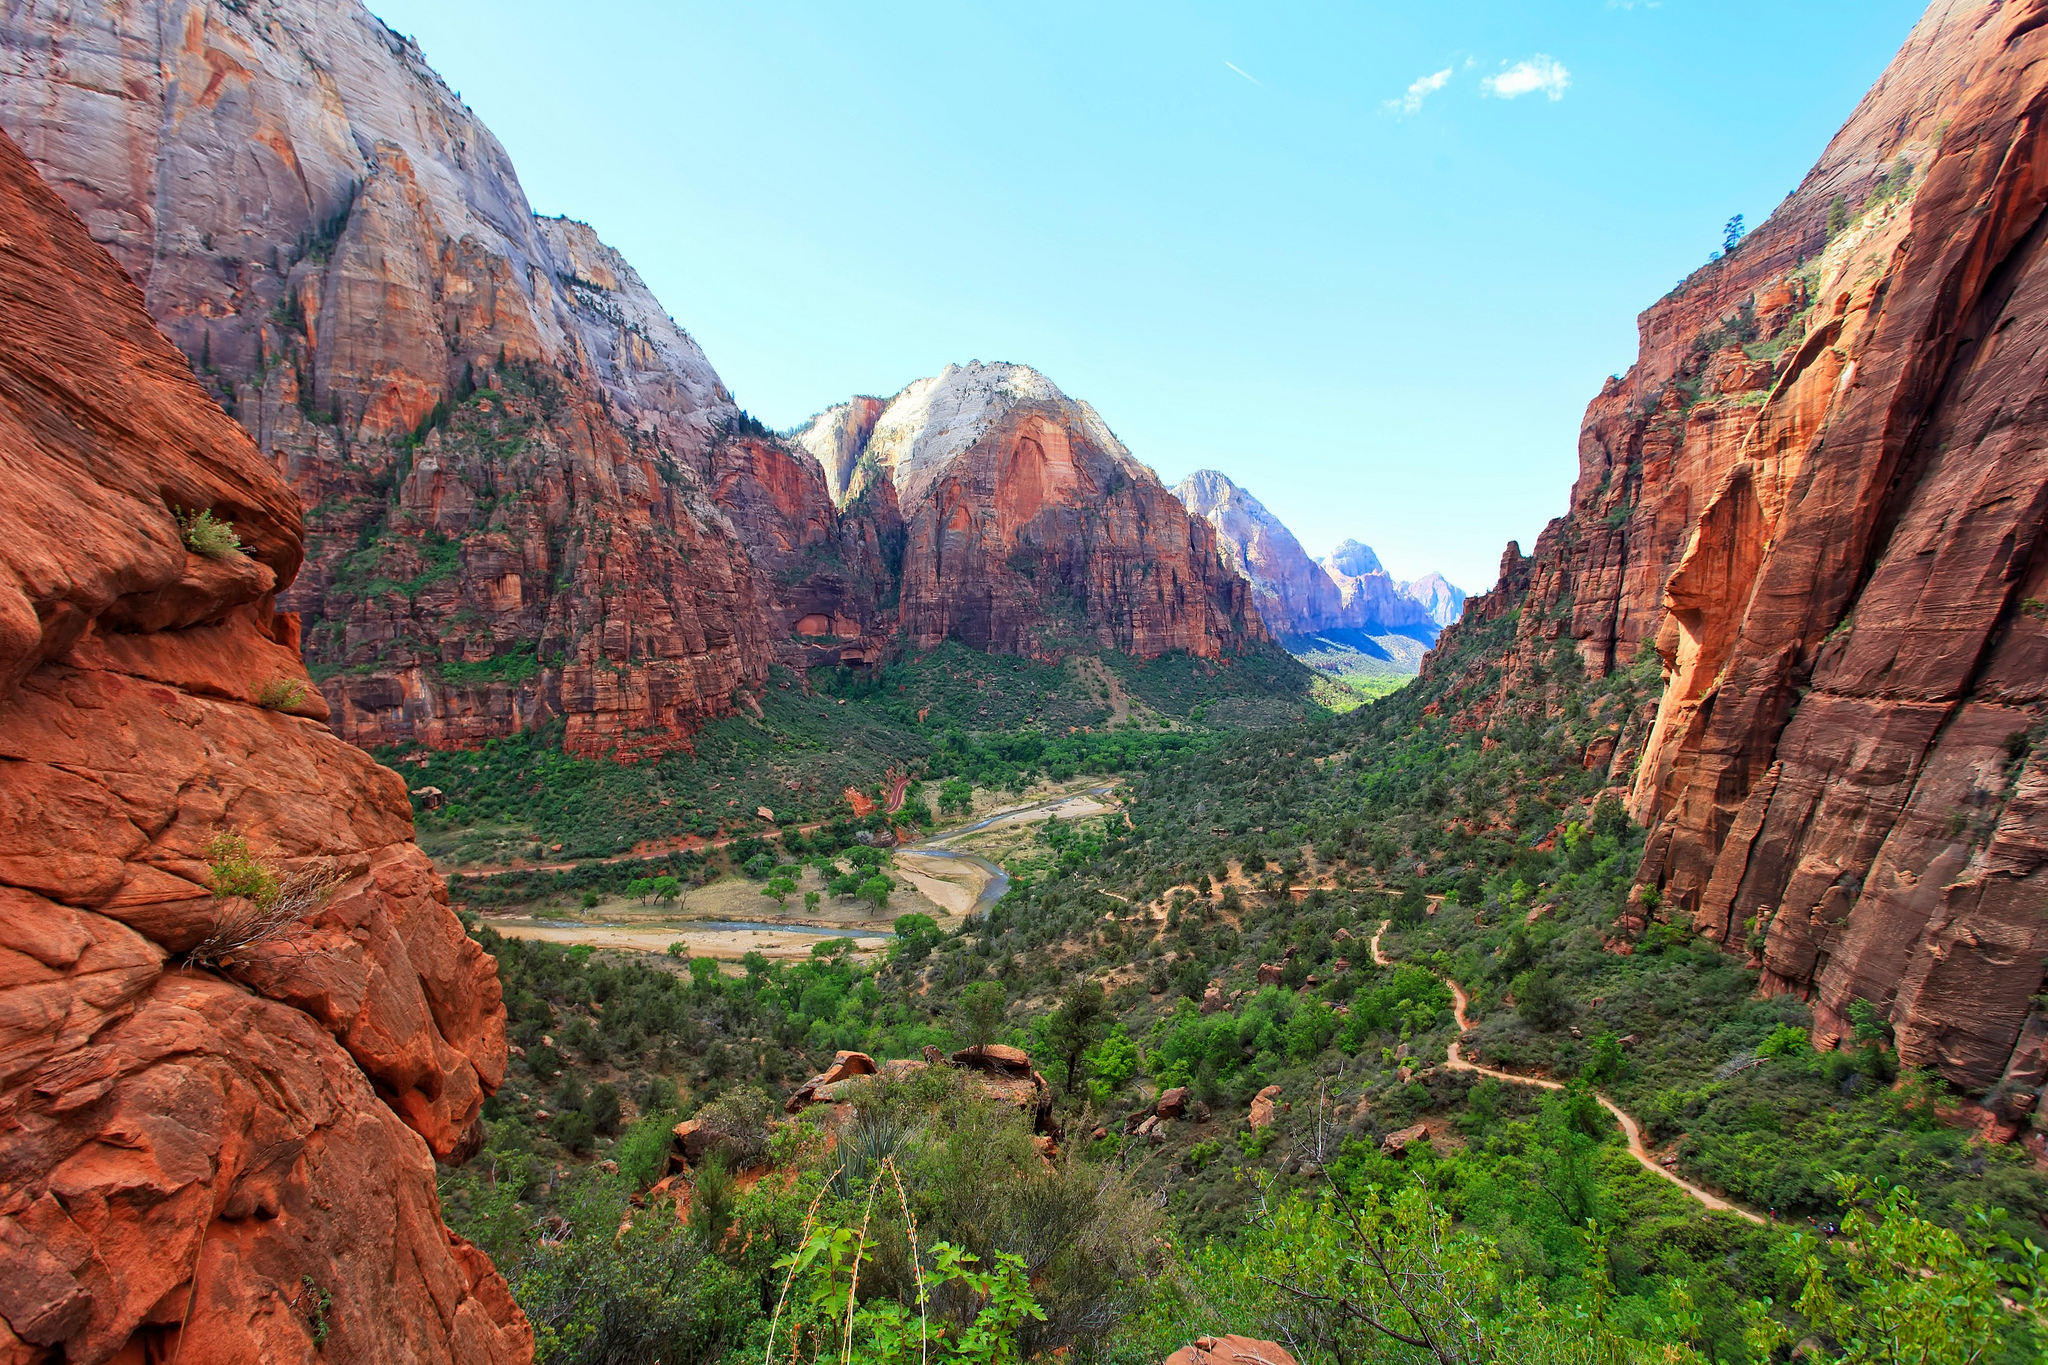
<point x="1228" y="226"/>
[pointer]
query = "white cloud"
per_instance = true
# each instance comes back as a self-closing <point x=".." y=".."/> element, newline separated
<point x="1420" y="90"/>
<point x="1539" y="73"/>
<point x="1246" y="74"/>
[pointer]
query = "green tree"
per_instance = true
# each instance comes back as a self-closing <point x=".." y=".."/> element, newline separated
<point x="1075" y="1026"/>
<point x="876" y="891"/>
<point x="779" y="890"/>
<point x="980" y="1012"/>
<point x="1732" y="234"/>
<point x="1896" y="1289"/>
<point x="1538" y="1000"/>
<point x="811" y="899"/>
<point x="915" y="926"/>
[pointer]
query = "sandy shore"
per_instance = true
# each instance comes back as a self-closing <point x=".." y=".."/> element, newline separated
<point x="795" y="941"/>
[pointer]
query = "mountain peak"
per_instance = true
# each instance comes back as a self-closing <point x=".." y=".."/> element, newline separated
<point x="913" y="436"/>
<point x="1354" y="560"/>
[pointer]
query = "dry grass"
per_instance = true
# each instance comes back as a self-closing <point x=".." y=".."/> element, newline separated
<point x="253" y="902"/>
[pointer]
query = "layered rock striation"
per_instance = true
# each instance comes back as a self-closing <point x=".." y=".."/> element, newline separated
<point x="528" y="496"/>
<point x="1026" y="526"/>
<point x="1819" y="498"/>
<point x="1298" y="596"/>
<point x="215" y="1144"/>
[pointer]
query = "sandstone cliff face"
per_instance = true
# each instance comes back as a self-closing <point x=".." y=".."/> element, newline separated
<point x="1297" y="595"/>
<point x="183" y="1151"/>
<point x="1820" y="496"/>
<point x="1026" y="526"/>
<point x="1294" y="595"/>
<point x="1441" y="600"/>
<point x="524" y="498"/>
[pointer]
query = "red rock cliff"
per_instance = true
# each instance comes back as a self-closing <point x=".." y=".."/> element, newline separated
<point x="1820" y="497"/>
<point x="191" y="1157"/>
<point x="520" y="505"/>
<point x="1027" y="527"/>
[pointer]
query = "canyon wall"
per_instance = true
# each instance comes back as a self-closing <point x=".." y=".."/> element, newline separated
<point x="1819" y="498"/>
<point x="213" y="1146"/>
<point x="528" y="496"/>
<point x="1026" y="526"/>
<point x="1297" y="595"/>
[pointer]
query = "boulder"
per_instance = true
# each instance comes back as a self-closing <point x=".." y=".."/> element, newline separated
<point x="1270" y="973"/>
<point x="1264" y="1110"/>
<point x="1173" y="1103"/>
<point x="1397" y="1144"/>
<point x="691" y="1140"/>
<point x="1230" y="1351"/>
<point x="1212" y="1000"/>
<point x="829" y="1085"/>
<point x="995" y="1057"/>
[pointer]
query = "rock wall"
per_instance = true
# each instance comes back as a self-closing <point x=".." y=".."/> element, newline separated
<point x="193" y="1160"/>
<point x="1020" y="524"/>
<point x="1818" y="497"/>
<point x="524" y="498"/>
<point x="1039" y="536"/>
<point x="1297" y="595"/>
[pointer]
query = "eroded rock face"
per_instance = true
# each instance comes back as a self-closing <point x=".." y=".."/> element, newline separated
<point x="184" y="1150"/>
<point x="528" y="495"/>
<point x="1819" y="497"/>
<point x="1297" y="595"/>
<point x="1026" y="526"/>
<point x="1441" y="600"/>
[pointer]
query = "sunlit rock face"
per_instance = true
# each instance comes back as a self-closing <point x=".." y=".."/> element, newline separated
<point x="1027" y="527"/>
<point x="1818" y="500"/>
<point x="528" y="496"/>
<point x="188" y="1143"/>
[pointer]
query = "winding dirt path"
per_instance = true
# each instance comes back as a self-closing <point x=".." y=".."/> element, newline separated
<point x="1629" y="1126"/>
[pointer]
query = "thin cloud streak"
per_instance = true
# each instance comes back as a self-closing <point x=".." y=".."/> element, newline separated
<point x="1246" y="74"/>
<point x="1421" y="89"/>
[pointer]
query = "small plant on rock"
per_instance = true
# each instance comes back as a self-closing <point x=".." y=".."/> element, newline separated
<point x="281" y="694"/>
<point x="206" y="535"/>
<point x="253" y="902"/>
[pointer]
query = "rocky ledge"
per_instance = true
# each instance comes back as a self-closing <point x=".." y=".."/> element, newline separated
<point x="238" y="1022"/>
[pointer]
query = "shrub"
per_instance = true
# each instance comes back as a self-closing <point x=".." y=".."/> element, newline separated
<point x="206" y="536"/>
<point x="738" y="1120"/>
<point x="281" y="694"/>
<point x="253" y="902"/>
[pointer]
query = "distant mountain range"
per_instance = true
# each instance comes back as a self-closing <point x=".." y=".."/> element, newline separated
<point x="1345" y="613"/>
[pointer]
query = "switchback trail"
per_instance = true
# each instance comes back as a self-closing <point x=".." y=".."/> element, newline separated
<point x="1629" y="1126"/>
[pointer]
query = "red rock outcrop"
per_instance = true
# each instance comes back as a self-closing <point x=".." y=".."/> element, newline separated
<point x="1026" y="526"/>
<point x="231" y="1162"/>
<point x="1819" y="497"/>
<point x="525" y="496"/>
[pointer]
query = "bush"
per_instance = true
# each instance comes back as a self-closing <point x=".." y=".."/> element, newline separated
<point x="1539" y="1002"/>
<point x="253" y="902"/>
<point x="206" y="536"/>
<point x="739" y="1121"/>
<point x="281" y="694"/>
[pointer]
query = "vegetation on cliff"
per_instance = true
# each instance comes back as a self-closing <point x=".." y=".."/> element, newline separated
<point x="1213" y="942"/>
